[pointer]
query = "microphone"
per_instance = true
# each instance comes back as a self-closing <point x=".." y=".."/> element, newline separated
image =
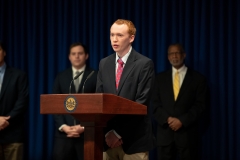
<point x="73" y="80"/>
<point x="86" y="80"/>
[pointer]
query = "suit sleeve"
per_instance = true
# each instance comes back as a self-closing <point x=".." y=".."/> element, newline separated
<point x="198" y="107"/>
<point x="59" y="120"/>
<point x="99" y="85"/>
<point x="144" y="89"/>
<point x="159" y="114"/>
<point x="23" y="96"/>
<point x="145" y="84"/>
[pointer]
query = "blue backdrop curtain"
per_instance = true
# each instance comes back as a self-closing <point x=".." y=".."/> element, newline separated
<point x="38" y="34"/>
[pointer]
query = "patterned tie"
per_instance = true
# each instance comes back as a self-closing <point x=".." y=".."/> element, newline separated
<point x="176" y="85"/>
<point x="119" y="71"/>
<point x="76" y="82"/>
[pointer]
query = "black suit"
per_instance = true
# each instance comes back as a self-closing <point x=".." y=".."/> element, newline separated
<point x="63" y="146"/>
<point x="135" y="84"/>
<point x="14" y="98"/>
<point x="188" y="108"/>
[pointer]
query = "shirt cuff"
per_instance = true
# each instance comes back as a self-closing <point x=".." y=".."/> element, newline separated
<point x="116" y="134"/>
<point x="60" y="128"/>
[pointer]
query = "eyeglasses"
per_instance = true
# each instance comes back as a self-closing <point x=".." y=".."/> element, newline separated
<point x="174" y="53"/>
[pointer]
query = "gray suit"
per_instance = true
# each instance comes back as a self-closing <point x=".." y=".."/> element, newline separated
<point x="135" y="84"/>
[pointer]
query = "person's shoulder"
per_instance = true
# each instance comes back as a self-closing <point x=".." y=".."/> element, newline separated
<point x="163" y="73"/>
<point x="89" y="69"/>
<point x="140" y="56"/>
<point x="110" y="57"/>
<point x="15" y="70"/>
<point x="141" y="59"/>
<point x="64" y="72"/>
<point x="197" y="76"/>
<point x="196" y="73"/>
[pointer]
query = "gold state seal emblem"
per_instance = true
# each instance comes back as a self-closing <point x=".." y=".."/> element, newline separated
<point x="70" y="103"/>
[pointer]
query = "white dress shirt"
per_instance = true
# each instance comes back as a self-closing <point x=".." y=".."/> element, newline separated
<point x="182" y="72"/>
<point x="2" y="72"/>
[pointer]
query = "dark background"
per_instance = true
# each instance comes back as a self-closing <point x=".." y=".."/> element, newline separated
<point x="38" y="34"/>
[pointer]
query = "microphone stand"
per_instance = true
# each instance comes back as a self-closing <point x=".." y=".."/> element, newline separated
<point x="70" y="87"/>
<point x="86" y="80"/>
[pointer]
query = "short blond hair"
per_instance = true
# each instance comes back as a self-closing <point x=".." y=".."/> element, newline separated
<point x="131" y="28"/>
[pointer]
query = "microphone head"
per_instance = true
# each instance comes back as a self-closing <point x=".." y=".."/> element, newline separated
<point x="78" y="75"/>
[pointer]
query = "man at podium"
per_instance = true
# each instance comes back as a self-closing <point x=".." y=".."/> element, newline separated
<point x="69" y="140"/>
<point x="130" y="75"/>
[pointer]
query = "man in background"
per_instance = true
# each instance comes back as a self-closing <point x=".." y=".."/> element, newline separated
<point x="14" y="96"/>
<point x="179" y="101"/>
<point x="128" y="74"/>
<point x="69" y="138"/>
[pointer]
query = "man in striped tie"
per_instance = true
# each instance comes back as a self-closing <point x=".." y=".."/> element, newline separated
<point x="179" y="100"/>
<point x="69" y="133"/>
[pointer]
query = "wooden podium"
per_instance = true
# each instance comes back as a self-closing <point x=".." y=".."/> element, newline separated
<point x="93" y="111"/>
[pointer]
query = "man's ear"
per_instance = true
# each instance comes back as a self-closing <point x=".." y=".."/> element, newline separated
<point x="87" y="55"/>
<point x="132" y="37"/>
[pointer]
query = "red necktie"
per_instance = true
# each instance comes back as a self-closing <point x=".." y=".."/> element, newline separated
<point x="119" y="71"/>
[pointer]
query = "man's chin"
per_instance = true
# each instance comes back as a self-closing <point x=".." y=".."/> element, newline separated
<point x="78" y="66"/>
<point x="115" y="50"/>
<point x="177" y="65"/>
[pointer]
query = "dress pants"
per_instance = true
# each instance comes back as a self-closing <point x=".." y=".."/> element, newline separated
<point x="173" y="152"/>
<point x="118" y="154"/>
<point x="12" y="151"/>
<point x="68" y="148"/>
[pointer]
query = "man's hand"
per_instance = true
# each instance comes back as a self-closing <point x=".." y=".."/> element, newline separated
<point x="70" y="131"/>
<point x="79" y="129"/>
<point x="174" y="123"/>
<point x="4" y="122"/>
<point x="112" y="140"/>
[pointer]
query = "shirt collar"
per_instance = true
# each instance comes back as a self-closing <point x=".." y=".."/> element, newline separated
<point x="3" y="67"/>
<point x="79" y="70"/>
<point x="125" y="57"/>
<point x="180" y="70"/>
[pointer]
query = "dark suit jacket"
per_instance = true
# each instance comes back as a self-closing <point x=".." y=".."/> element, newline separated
<point x="14" y="98"/>
<point x="135" y="84"/>
<point x="188" y="107"/>
<point x="61" y="86"/>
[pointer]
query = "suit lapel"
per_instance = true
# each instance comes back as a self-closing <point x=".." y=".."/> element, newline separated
<point x="187" y="80"/>
<point x="111" y="67"/>
<point x="169" y="85"/>
<point x="6" y="80"/>
<point x="127" y="69"/>
<point x="85" y="74"/>
<point x="69" y="78"/>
